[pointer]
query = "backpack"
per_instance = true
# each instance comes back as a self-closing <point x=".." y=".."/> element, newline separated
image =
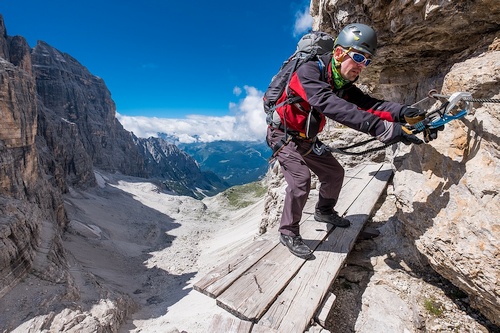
<point x="311" y="45"/>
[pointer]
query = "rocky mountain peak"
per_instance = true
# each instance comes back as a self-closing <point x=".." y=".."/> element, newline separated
<point x="58" y="124"/>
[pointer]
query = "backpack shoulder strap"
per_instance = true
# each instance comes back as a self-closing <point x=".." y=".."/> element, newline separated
<point x="322" y="66"/>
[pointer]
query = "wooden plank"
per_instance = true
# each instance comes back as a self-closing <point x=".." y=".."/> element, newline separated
<point x="350" y="174"/>
<point x="355" y="186"/>
<point x="262" y="329"/>
<point x="250" y="296"/>
<point x="324" y="309"/>
<point x="296" y="305"/>
<point x="229" y="324"/>
<point x="221" y="277"/>
<point x="252" y="292"/>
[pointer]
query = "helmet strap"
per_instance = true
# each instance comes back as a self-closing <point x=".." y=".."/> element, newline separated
<point x="338" y="62"/>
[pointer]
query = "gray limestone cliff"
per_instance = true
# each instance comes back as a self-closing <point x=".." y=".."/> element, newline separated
<point x="77" y="120"/>
<point x="57" y="124"/>
<point x="448" y="191"/>
<point x="32" y="212"/>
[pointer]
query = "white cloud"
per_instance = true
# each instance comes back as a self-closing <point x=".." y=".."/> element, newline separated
<point x="303" y="22"/>
<point x="237" y="91"/>
<point x="247" y="122"/>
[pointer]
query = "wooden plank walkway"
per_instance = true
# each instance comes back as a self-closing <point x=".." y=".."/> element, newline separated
<point x="267" y="289"/>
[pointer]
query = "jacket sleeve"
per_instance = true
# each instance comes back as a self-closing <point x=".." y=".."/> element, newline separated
<point x="355" y="110"/>
<point x="383" y="109"/>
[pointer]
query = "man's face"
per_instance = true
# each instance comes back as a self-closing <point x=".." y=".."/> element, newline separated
<point x="350" y="69"/>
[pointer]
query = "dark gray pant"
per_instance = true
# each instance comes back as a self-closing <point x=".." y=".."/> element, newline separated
<point x="296" y="169"/>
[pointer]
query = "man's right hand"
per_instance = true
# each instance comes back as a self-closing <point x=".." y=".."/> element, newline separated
<point x="432" y="134"/>
<point x="411" y="115"/>
<point x="395" y="132"/>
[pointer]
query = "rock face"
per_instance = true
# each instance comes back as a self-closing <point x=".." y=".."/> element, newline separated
<point x="78" y="125"/>
<point x="447" y="191"/>
<point x="32" y="213"/>
<point x="452" y="206"/>
<point x="33" y="176"/>
<point x="58" y="124"/>
<point x="77" y="118"/>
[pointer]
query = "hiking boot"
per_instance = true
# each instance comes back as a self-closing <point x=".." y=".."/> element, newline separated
<point x="332" y="218"/>
<point x="296" y="245"/>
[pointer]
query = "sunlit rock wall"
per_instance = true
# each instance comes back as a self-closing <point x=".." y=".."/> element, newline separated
<point x="447" y="190"/>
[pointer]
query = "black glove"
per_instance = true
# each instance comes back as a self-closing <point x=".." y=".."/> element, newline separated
<point x="432" y="133"/>
<point x="411" y="115"/>
<point x="397" y="133"/>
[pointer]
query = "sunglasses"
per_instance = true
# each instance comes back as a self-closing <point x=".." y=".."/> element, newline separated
<point x="359" y="58"/>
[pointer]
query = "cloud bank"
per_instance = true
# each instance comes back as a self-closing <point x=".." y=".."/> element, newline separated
<point x="246" y="122"/>
<point x="303" y="22"/>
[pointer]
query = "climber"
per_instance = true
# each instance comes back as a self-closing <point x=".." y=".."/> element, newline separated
<point x="329" y="91"/>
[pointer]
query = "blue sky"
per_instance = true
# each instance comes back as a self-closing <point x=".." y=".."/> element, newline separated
<point x="187" y="67"/>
